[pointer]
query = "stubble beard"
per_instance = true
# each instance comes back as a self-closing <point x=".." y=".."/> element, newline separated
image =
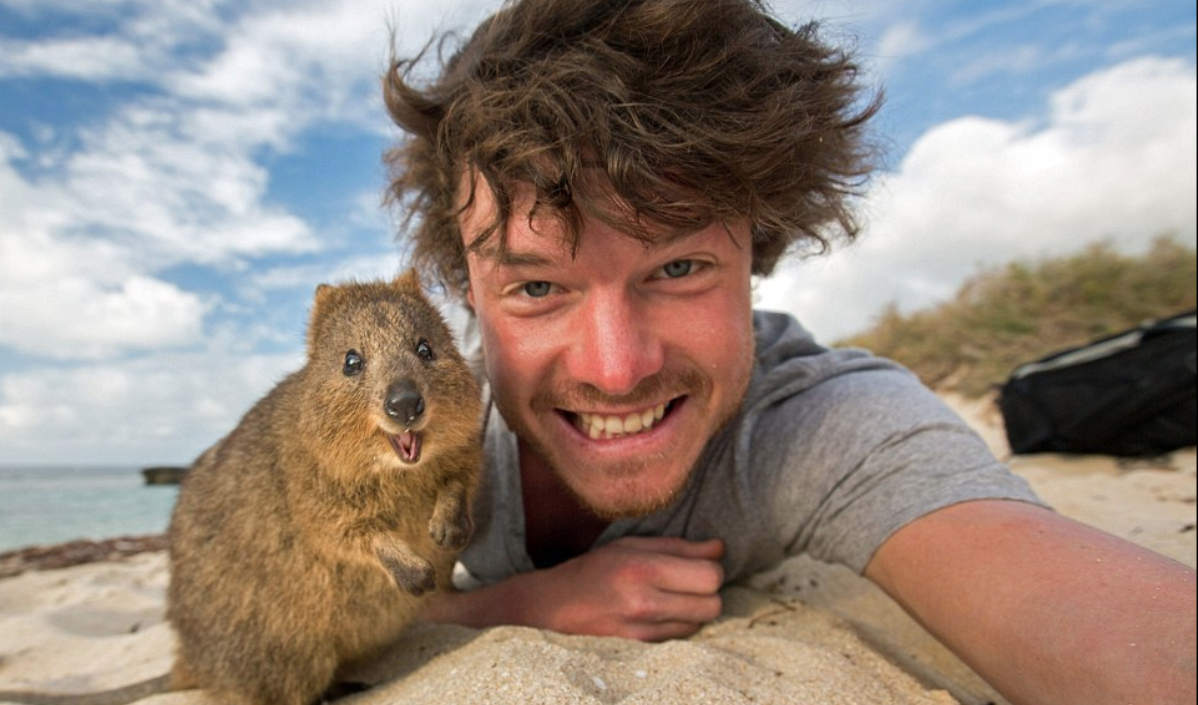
<point x="689" y="383"/>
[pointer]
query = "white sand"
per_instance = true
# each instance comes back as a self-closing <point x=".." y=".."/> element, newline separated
<point x="803" y="633"/>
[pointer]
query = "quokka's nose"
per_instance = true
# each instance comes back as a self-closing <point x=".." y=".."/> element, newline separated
<point x="404" y="403"/>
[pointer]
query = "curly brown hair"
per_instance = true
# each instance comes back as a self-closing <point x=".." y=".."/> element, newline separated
<point x="649" y="115"/>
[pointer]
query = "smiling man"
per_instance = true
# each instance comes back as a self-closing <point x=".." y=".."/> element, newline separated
<point x="615" y="361"/>
<point x="599" y="180"/>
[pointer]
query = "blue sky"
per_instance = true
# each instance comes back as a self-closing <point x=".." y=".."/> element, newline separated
<point x="176" y="177"/>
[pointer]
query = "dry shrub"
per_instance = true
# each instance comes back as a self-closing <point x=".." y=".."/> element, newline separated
<point x="1024" y="310"/>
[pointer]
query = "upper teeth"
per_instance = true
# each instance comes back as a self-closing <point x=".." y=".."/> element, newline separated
<point x="598" y="426"/>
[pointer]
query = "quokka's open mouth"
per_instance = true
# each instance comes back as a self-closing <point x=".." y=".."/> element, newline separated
<point x="407" y="446"/>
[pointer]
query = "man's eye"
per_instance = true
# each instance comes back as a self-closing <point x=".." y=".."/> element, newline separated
<point x="679" y="268"/>
<point x="537" y="290"/>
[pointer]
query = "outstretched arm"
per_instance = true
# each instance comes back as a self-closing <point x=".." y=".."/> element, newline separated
<point x="1049" y="611"/>
<point x="642" y="588"/>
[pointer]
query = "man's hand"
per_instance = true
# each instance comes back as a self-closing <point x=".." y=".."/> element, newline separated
<point x="643" y="588"/>
<point x="650" y="589"/>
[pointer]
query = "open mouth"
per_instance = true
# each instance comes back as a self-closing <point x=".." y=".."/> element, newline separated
<point x="407" y="446"/>
<point x="608" y="426"/>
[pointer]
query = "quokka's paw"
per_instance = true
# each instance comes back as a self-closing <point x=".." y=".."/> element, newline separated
<point x="414" y="576"/>
<point x="416" y="581"/>
<point x="453" y="533"/>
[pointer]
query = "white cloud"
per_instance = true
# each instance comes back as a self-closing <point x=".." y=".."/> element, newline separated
<point x="255" y="285"/>
<point x="178" y="175"/>
<point x="83" y="299"/>
<point x="138" y="48"/>
<point x="146" y="180"/>
<point x="902" y="39"/>
<point x="159" y="409"/>
<point x="315" y="61"/>
<point x="87" y="58"/>
<point x="80" y="248"/>
<point x="76" y="318"/>
<point x="1114" y="159"/>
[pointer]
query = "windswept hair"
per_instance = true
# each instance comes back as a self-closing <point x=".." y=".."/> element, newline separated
<point x="648" y="115"/>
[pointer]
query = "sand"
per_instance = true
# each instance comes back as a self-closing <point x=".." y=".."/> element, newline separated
<point x="803" y="633"/>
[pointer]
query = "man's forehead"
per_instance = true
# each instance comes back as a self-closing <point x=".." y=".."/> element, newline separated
<point x="542" y="244"/>
<point x="538" y="234"/>
<point x="521" y="241"/>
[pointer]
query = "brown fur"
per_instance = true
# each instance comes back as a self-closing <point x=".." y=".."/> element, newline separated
<point x="302" y="542"/>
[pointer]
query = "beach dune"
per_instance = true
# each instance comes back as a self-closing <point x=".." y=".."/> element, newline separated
<point x="805" y="632"/>
<point x="101" y="625"/>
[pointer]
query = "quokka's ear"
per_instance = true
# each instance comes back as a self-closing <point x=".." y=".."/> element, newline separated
<point x="321" y="301"/>
<point x="322" y="298"/>
<point x="322" y="292"/>
<point x="409" y="279"/>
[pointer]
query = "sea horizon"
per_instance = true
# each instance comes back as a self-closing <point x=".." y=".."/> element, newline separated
<point x="46" y="504"/>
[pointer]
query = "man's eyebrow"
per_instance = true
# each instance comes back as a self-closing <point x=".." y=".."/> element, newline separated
<point x="506" y="257"/>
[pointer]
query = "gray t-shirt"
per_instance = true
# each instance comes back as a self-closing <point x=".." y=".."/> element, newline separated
<point x="832" y="452"/>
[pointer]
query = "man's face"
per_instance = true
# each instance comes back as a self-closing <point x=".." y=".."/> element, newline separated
<point x="617" y="363"/>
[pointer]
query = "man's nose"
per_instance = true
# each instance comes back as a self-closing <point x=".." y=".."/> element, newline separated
<point x="614" y="345"/>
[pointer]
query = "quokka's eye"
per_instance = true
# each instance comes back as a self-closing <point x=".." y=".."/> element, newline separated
<point x="424" y="351"/>
<point x="353" y="364"/>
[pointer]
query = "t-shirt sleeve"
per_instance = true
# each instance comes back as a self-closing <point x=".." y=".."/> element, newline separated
<point x="850" y="460"/>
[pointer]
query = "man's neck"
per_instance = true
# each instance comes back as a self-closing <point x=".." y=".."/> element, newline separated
<point x="557" y="526"/>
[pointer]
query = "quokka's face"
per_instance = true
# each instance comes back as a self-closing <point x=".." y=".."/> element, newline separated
<point x="391" y="372"/>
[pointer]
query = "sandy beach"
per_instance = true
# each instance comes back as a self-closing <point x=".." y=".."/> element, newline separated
<point x="802" y="633"/>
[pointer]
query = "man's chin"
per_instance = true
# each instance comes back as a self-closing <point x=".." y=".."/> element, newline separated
<point x="630" y="502"/>
<point x="623" y="489"/>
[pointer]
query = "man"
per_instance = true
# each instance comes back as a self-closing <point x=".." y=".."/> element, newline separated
<point x="599" y="180"/>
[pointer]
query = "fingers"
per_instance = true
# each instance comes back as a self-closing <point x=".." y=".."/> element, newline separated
<point x="651" y="615"/>
<point x="690" y="576"/>
<point x="711" y="549"/>
<point x="661" y="631"/>
<point x="671" y="564"/>
<point x="666" y="588"/>
<point x="664" y="614"/>
<point x="638" y="587"/>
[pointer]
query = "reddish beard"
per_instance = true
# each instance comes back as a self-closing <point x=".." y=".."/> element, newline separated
<point x="688" y="384"/>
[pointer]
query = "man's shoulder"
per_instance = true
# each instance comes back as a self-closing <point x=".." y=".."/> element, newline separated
<point x="789" y="360"/>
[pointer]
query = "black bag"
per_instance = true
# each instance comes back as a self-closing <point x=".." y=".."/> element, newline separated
<point x="1129" y="394"/>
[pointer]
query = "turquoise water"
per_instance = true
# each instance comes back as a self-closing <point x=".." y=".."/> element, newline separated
<point x="47" y="505"/>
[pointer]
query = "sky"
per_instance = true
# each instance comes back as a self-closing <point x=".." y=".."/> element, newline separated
<point x="177" y="176"/>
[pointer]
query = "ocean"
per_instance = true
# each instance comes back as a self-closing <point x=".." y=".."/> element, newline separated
<point x="46" y="505"/>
